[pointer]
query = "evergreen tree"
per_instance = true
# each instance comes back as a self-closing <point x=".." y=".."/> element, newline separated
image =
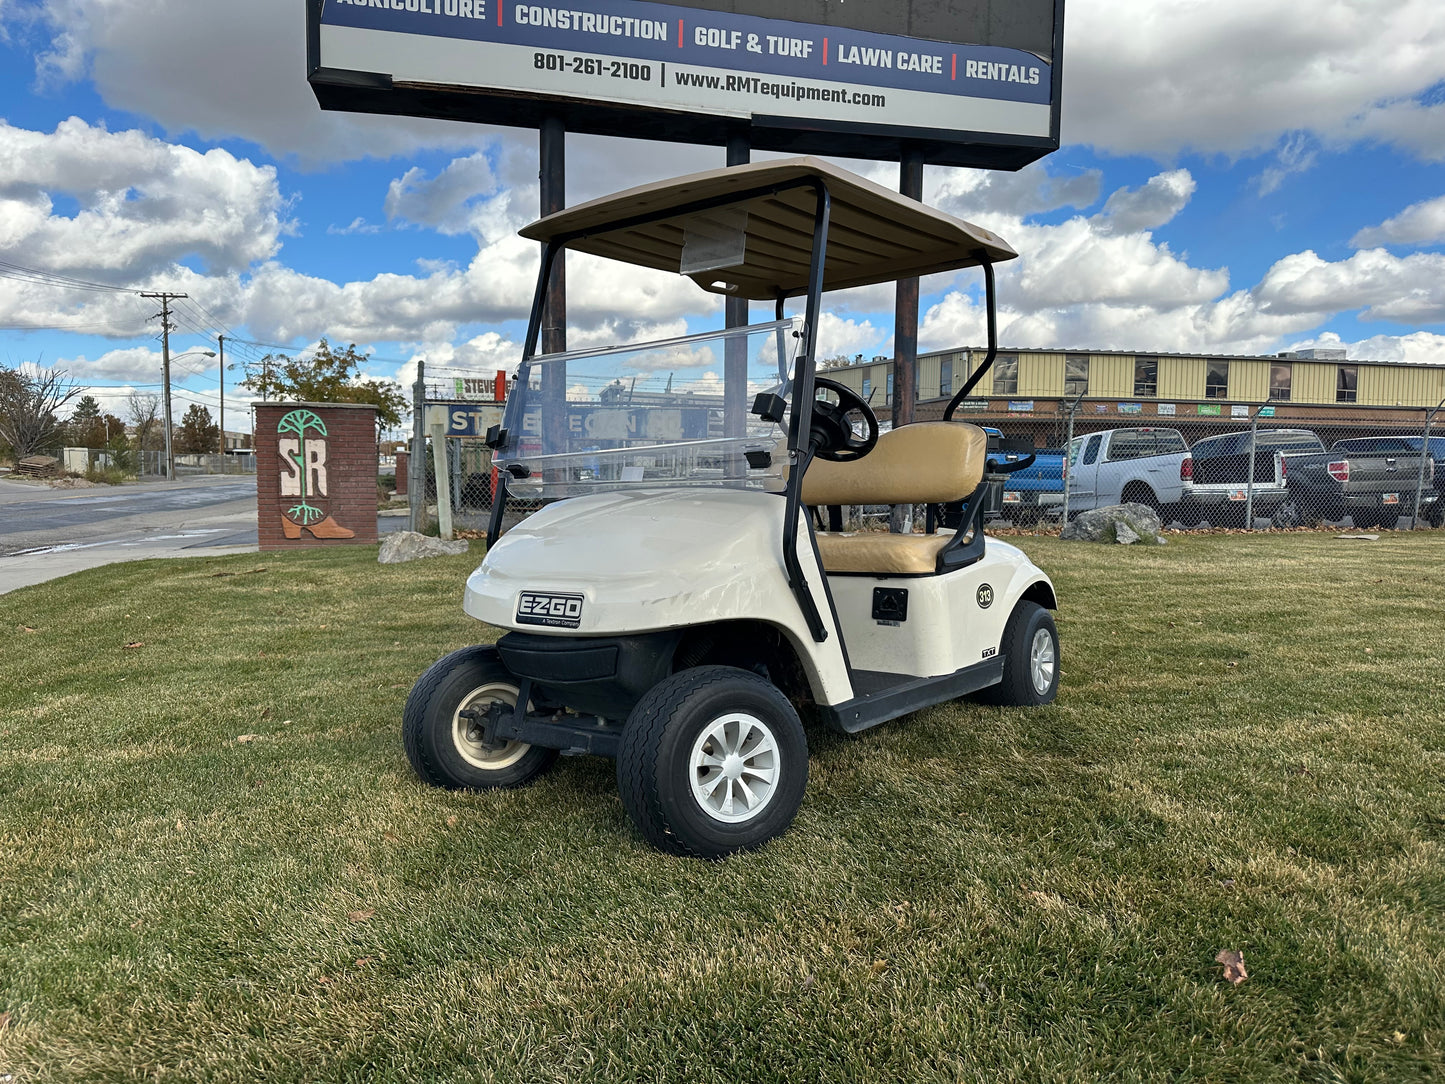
<point x="198" y="433"/>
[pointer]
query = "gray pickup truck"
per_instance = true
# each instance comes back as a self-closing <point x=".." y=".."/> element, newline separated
<point x="1370" y="479"/>
<point x="1217" y="475"/>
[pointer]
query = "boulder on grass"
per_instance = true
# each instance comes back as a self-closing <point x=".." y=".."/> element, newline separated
<point x="1123" y="524"/>
<point x="410" y="546"/>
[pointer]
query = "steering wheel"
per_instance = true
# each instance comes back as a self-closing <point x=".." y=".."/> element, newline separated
<point x="834" y="434"/>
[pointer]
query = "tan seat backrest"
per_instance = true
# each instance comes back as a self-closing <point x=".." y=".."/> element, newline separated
<point x="923" y="463"/>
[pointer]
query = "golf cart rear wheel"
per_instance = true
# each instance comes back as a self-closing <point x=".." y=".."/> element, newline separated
<point x="712" y="761"/>
<point x="448" y="749"/>
<point x="1030" y="648"/>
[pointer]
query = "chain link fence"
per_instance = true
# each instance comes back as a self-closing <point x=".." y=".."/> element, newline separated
<point x="1252" y="470"/>
<point x="153" y="464"/>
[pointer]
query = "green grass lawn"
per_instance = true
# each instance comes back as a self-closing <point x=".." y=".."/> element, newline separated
<point x="216" y="864"/>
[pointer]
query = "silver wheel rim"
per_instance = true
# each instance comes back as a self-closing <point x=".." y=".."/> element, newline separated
<point x="1043" y="660"/>
<point x="734" y="767"/>
<point x="466" y="735"/>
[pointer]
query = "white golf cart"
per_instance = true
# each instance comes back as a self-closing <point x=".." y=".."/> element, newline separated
<point x="688" y="590"/>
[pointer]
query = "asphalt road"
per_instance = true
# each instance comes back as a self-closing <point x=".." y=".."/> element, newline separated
<point x="45" y="532"/>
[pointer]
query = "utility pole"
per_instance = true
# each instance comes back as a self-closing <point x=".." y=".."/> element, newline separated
<point x="165" y="315"/>
<point x="221" y="369"/>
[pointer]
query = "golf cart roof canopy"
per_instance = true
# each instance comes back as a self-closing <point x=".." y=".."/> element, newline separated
<point x="747" y="231"/>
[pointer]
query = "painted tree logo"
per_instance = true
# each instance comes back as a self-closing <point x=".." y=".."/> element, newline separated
<point x="302" y="422"/>
<point x="302" y="437"/>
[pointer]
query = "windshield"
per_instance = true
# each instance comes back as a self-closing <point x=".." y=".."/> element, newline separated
<point x="674" y="412"/>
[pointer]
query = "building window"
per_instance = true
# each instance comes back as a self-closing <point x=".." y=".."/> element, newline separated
<point x="1346" y="383"/>
<point x="1076" y="374"/>
<point x="1280" y="379"/>
<point x="1216" y="380"/>
<point x="888" y="395"/>
<point x="867" y="389"/>
<point x="1006" y="374"/>
<point x="1146" y="378"/>
<point x="945" y="377"/>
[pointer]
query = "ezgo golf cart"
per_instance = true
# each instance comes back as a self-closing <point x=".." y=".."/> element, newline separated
<point x="687" y="591"/>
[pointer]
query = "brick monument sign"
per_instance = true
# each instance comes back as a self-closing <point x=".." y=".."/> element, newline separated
<point x="316" y="466"/>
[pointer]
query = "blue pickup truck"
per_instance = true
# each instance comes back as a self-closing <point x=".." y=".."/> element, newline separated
<point x="1026" y="496"/>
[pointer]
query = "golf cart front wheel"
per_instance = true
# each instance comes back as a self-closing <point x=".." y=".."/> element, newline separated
<point x="1030" y="648"/>
<point x="712" y="761"/>
<point x="448" y="748"/>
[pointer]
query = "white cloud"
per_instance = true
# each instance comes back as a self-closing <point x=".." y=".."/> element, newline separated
<point x="446" y="202"/>
<point x="1418" y="224"/>
<point x="1132" y="210"/>
<point x="358" y="225"/>
<point x="1410" y="289"/>
<point x="220" y="70"/>
<point x="143" y="204"/>
<point x="1235" y="76"/>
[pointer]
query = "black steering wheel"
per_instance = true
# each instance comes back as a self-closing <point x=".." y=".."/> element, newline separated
<point x="834" y="434"/>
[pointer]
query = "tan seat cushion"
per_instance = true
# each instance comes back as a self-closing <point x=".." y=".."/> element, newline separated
<point x="882" y="553"/>
<point x="923" y="463"/>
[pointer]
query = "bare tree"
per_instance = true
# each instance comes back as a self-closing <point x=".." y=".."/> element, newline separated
<point x="30" y="398"/>
<point x="145" y="413"/>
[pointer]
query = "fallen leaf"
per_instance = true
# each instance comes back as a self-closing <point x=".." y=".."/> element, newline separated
<point x="388" y="836"/>
<point x="323" y="981"/>
<point x="27" y="628"/>
<point x="452" y="821"/>
<point x="265" y="713"/>
<point x="1231" y="664"/>
<point x="362" y="961"/>
<point x="246" y="739"/>
<point x="134" y="644"/>
<point x="1399" y="1036"/>
<point x="362" y="916"/>
<point x="1233" y="965"/>
<point x="179" y="826"/>
<point x="879" y="966"/>
<point x="5" y="1021"/>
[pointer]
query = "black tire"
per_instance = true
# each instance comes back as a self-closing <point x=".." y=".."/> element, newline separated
<point x="1435" y="512"/>
<point x="1190" y="514"/>
<point x="1021" y="639"/>
<point x="1365" y="520"/>
<point x="437" y="740"/>
<point x="659" y="769"/>
<point x="1386" y="521"/>
<point x="1139" y="493"/>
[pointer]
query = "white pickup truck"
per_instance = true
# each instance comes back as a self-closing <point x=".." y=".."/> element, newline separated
<point x="1143" y="465"/>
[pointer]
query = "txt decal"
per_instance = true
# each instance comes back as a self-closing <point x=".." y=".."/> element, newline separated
<point x="303" y="475"/>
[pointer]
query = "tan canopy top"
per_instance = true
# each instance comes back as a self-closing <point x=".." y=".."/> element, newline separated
<point x="874" y="235"/>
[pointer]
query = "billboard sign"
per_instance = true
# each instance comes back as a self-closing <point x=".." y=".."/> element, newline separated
<point x="966" y="85"/>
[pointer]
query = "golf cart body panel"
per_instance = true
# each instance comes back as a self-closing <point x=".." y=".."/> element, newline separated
<point x="707" y="556"/>
<point x="947" y="625"/>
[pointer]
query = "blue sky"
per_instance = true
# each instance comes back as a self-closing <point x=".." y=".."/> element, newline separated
<point x="1243" y="176"/>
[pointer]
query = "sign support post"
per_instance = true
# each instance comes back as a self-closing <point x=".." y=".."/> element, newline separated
<point x="905" y="334"/>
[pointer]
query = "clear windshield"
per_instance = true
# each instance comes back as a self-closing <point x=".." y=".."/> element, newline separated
<point x="675" y="412"/>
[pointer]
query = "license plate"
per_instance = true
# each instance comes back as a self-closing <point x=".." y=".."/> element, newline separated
<point x="556" y="611"/>
<point x="1237" y="495"/>
<point x="1390" y="498"/>
<point x="1012" y="496"/>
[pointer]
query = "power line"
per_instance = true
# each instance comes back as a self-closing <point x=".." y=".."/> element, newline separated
<point x="36" y="277"/>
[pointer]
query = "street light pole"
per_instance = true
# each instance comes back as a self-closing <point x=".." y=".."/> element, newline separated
<point x="166" y="360"/>
<point x="221" y="372"/>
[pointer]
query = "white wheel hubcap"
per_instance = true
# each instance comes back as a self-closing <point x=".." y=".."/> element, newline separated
<point x="467" y="735"/>
<point x="734" y="767"/>
<point x="1042" y="661"/>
